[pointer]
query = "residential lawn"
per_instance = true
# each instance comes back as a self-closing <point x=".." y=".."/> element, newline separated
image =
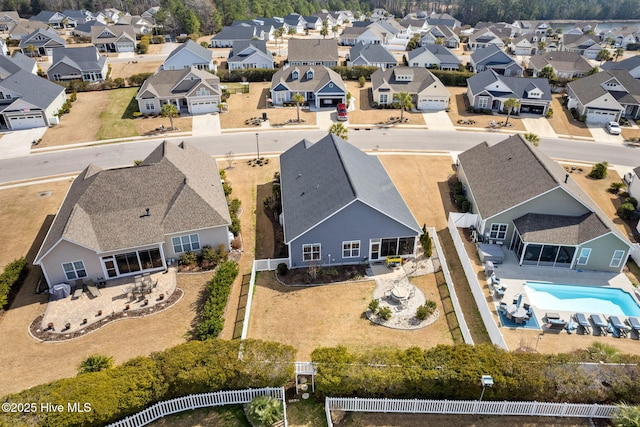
<point x="306" y="413"/>
<point x="117" y="118"/>
<point x="459" y="111"/>
<point x="363" y="419"/>
<point x="135" y="66"/>
<point x="366" y="114"/>
<point x="563" y="122"/>
<point x="223" y="416"/>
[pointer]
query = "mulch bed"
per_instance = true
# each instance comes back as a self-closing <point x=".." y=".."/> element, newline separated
<point x="41" y="334"/>
<point x="325" y="275"/>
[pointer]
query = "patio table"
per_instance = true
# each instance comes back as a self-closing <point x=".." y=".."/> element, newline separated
<point x="400" y="293"/>
<point x="516" y="311"/>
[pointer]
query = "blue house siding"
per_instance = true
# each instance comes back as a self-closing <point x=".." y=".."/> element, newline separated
<point x="357" y="222"/>
<point x="331" y="90"/>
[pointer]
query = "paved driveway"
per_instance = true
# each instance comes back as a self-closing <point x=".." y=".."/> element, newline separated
<point x="540" y="126"/>
<point x="325" y="118"/>
<point x="438" y="120"/>
<point x="17" y="143"/>
<point x="600" y="134"/>
<point x="205" y="125"/>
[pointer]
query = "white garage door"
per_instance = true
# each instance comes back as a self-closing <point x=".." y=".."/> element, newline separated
<point x="601" y="116"/>
<point x="26" y="122"/>
<point x="431" y="104"/>
<point x="203" y="107"/>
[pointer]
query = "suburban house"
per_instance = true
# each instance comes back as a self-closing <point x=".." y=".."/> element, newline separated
<point x="531" y="27"/>
<point x="426" y="90"/>
<point x="503" y="30"/>
<point x="24" y="28"/>
<point x="631" y="64"/>
<point x="249" y="54"/>
<point x="415" y="25"/>
<point x="228" y="35"/>
<point x="339" y="206"/>
<point x="189" y="54"/>
<point x="494" y="58"/>
<point x="295" y="21"/>
<point x="139" y="24"/>
<point x="83" y="16"/>
<point x="313" y="52"/>
<point x="172" y="203"/>
<point x="605" y="96"/>
<point x="527" y="44"/>
<point x="433" y="56"/>
<point x="313" y="22"/>
<point x="8" y="20"/>
<point x="114" y="38"/>
<point x="12" y="64"/>
<point x="489" y="90"/>
<point x="326" y="16"/>
<point x="622" y="37"/>
<point x="54" y="19"/>
<point x="440" y="33"/>
<point x="29" y="101"/>
<point x="443" y="19"/>
<point x="484" y="38"/>
<point x="84" y="30"/>
<point x="586" y="45"/>
<point x="79" y="63"/>
<point x="320" y="86"/>
<point x="373" y="55"/>
<point x="529" y="204"/>
<point x="41" y="42"/>
<point x="633" y="183"/>
<point x="566" y="65"/>
<point x="353" y="35"/>
<point x="191" y="90"/>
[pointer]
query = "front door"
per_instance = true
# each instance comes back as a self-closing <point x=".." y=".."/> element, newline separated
<point x="374" y="250"/>
<point x="109" y="266"/>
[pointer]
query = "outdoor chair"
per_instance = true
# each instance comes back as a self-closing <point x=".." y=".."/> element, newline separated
<point x="600" y="324"/>
<point x="502" y="307"/>
<point x="582" y="321"/>
<point x="92" y="288"/>
<point x="77" y="292"/>
<point x="619" y="325"/>
<point x="526" y="306"/>
<point x="634" y="322"/>
<point x="515" y="301"/>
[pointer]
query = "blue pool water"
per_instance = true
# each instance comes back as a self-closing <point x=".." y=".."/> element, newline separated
<point x="583" y="299"/>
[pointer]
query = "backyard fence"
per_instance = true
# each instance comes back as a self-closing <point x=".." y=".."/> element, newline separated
<point x="269" y="264"/>
<point x="474" y="284"/>
<point x="195" y="401"/>
<point x="634" y="253"/>
<point x="466" y="334"/>
<point x="467" y="407"/>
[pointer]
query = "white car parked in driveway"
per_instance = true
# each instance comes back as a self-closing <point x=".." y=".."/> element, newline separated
<point x="614" y="128"/>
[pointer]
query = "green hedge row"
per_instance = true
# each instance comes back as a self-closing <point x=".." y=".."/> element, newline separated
<point x="193" y="367"/>
<point x="217" y="292"/>
<point x="12" y="275"/>
<point x="355" y="72"/>
<point x="249" y="75"/>
<point x="452" y="78"/>
<point x="453" y="372"/>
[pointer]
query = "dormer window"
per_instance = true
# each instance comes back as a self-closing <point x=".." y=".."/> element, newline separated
<point x="310" y="75"/>
<point x="294" y="75"/>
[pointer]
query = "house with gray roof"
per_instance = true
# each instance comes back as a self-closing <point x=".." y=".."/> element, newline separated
<point x="440" y="34"/>
<point x="24" y="28"/>
<point x="339" y="206"/>
<point x="113" y="38"/>
<point x="631" y="65"/>
<point x="54" y="19"/>
<point x="296" y="21"/>
<point x="372" y="55"/>
<point x="189" y="54"/>
<point x="8" y="20"/>
<point x="433" y="56"/>
<point x="313" y="22"/>
<point x="41" y="42"/>
<point x="313" y="52"/>
<point x="320" y="86"/>
<point x="426" y="90"/>
<point x="79" y="63"/>
<point x="247" y="54"/>
<point x="29" y="101"/>
<point x="605" y="96"/>
<point x="528" y="203"/>
<point x="121" y="222"/>
<point x="489" y="90"/>
<point x="566" y="65"/>
<point x="443" y="19"/>
<point x="586" y="45"/>
<point x="351" y="36"/>
<point x="228" y="35"/>
<point x="484" y="38"/>
<point x="494" y="58"/>
<point x="191" y="90"/>
<point x="12" y="64"/>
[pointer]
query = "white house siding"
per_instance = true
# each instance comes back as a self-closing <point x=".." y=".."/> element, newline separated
<point x="213" y="237"/>
<point x="142" y="106"/>
<point x="53" y="108"/>
<point x="65" y="252"/>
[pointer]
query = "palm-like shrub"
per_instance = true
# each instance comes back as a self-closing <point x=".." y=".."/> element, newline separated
<point x="627" y="416"/>
<point x="95" y="363"/>
<point x="263" y="411"/>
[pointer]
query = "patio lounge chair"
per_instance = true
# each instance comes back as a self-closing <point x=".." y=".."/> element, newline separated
<point x="93" y="289"/>
<point x="77" y="292"/>
<point x="619" y="325"/>
<point x="584" y="322"/>
<point x="634" y="322"/>
<point x="557" y="323"/>
<point x="599" y="323"/>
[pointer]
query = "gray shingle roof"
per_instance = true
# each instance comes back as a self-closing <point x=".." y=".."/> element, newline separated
<point x="32" y="89"/>
<point x="81" y="58"/>
<point x="313" y="50"/>
<point x="102" y="210"/>
<point x="117" y="31"/>
<point x="628" y="64"/>
<point x="174" y="82"/>
<point x="519" y="86"/>
<point x="319" y="179"/>
<point x="241" y="45"/>
<point x="567" y="62"/>
<point x="372" y="53"/>
<point x="512" y="172"/>
<point x="444" y="55"/>
<point x="194" y="48"/>
<point x="237" y="32"/>
<point x="422" y="78"/>
<point x="492" y="51"/>
<point x="321" y="76"/>
<point x="560" y="229"/>
<point x="590" y="87"/>
<point x="49" y="36"/>
<point x="15" y="63"/>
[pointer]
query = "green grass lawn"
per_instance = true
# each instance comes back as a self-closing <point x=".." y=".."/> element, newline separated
<point x="307" y="413"/>
<point x="117" y="119"/>
<point x="222" y="416"/>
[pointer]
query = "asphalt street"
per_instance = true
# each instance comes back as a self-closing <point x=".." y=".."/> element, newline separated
<point x="123" y="154"/>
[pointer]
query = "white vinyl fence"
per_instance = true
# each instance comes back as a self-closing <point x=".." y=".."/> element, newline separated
<point x="269" y="264"/>
<point x="635" y="251"/>
<point x="194" y="401"/>
<point x="468" y="407"/>
<point x="476" y="287"/>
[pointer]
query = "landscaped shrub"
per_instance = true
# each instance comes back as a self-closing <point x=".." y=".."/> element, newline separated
<point x="459" y="198"/>
<point x="355" y="72"/>
<point x="374" y="305"/>
<point x="625" y="210"/>
<point x="95" y="363"/>
<point x="282" y="269"/>
<point x="453" y="78"/>
<point x="426" y="310"/>
<point x="615" y="187"/>
<point x="212" y="321"/>
<point x="426" y="242"/>
<point x="362" y="80"/>
<point x="211" y="257"/>
<point x="138" y="79"/>
<point x="189" y="258"/>
<point x="384" y="313"/>
<point x="599" y="170"/>
<point x="248" y="75"/>
<point x="632" y="200"/>
<point x="13" y="274"/>
<point x="264" y="411"/>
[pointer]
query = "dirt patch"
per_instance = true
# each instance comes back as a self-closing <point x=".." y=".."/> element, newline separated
<point x="146" y="126"/>
<point x="323" y="275"/>
<point x="366" y="114"/>
<point x="459" y="112"/>
<point x="127" y="69"/>
<point x="563" y="122"/>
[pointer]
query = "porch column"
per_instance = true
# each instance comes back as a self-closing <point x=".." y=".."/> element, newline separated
<point x="524" y="251"/>
<point x="164" y="261"/>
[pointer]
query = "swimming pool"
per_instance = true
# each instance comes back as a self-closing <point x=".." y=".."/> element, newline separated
<point x="583" y="299"/>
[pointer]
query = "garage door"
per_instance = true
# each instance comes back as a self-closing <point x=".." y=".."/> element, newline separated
<point x="203" y="107"/>
<point x="26" y="122"/>
<point x="431" y="104"/>
<point x="598" y="116"/>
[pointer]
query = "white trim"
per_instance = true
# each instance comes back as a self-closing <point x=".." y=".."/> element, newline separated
<point x="312" y="251"/>
<point x="58" y="242"/>
<point x="498" y="231"/>
<point x="580" y="256"/>
<point x="351" y="250"/>
<point x="614" y="257"/>
<point x="195" y="230"/>
<point x="190" y="236"/>
<point x="606" y="234"/>
<point x="75" y="271"/>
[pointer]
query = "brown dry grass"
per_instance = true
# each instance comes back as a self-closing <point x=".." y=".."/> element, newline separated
<point x="182" y="123"/>
<point x="128" y="69"/>
<point x="459" y="112"/>
<point x="367" y="115"/>
<point x="359" y="419"/>
<point x="563" y="122"/>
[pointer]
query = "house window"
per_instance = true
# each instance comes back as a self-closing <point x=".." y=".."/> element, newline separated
<point x="294" y="75"/>
<point x="616" y="260"/>
<point x="498" y="231"/>
<point x="583" y="258"/>
<point x="203" y="92"/>
<point x="311" y="252"/>
<point x="384" y="98"/>
<point x="351" y="249"/>
<point x="74" y="270"/>
<point x="149" y="105"/>
<point x="56" y="77"/>
<point x="483" y="102"/>
<point x="185" y="243"/>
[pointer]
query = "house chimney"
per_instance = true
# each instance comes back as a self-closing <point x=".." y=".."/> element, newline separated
<point x="566" y="178"/>
<point x="148" y="211"/>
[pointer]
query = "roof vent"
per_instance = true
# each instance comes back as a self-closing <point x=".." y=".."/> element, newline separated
<point x="566" y="178"/>
<point x="146" y="214"/>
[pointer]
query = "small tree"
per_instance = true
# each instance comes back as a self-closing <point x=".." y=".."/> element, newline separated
<point x="625" y="210"/>
<point x="169" y="110"/>
<point x="532" y="138"/>
<point x="599" y="170"/>
<point x="510" y="105"/>
<point x="618" y="53"/>
<point x="298" y="98"/>
<point x="627" y="416"/>
<point x="324" y="31"/>
<point x="405" y="101"/>
<point x="339" y="130"/>
<point x="335" y="30"/>
<point x="362" y="80"/>
<point x="603" y="55"/>
<point x="547" y="73"/>
<point x="229" y="156"/>
<point x="426" y="242"/>
<point x="264" y="411"/>
<point x="95" y="363"/>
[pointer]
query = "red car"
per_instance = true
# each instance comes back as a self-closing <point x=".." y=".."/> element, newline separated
<point x="342" y="113"/>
